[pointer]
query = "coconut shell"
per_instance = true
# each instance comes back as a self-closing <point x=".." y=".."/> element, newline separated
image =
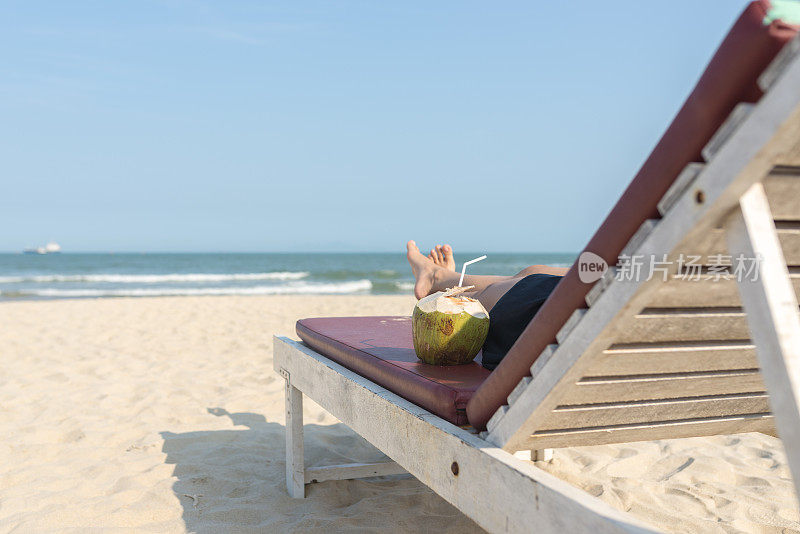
<point x="445" y="337"/>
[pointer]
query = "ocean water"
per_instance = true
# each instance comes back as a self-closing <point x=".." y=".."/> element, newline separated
<point x="71" y="275"/>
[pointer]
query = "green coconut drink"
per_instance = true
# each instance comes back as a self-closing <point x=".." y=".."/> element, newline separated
<point x="449" y="328"/>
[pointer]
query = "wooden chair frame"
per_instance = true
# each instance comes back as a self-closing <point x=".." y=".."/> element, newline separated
<point x="725" y="204"/>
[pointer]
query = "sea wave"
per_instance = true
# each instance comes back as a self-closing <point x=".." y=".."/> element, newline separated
<point x="346" y="274"/>
<point x="356" y="286"/>
<point x="153" y="278"/>
<point x="404" y="286"/>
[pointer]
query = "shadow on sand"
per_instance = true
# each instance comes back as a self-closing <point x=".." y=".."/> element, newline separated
<point x="233" y="481"/>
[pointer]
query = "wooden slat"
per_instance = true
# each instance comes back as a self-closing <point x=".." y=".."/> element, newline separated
<point x="789" y="239"/>
<point x="496" y="417"/>
<point x="597" y="415"/>
<point x="652" y="431"/>
<point x="351" y="471"/>
<point x="791" y="157"/>
<point x="543" y="358"/>
<point x="780" y="64"/>
<point x="731" y="124"/>
<point x="295" y="477"/>
<point x="571" y="323"/>
<point x="681" y="183"/>
<point x="713" y="243"/>
<point x="663" y="386"/>
<point x="652" y="358"/>
<point x="783" y="192"/>
<point x="514" y="395"/>
<point x="684" y="324"/>
<point x="638" y="238"/>
<point x="680" y="292"/>
<point x="600" y="286"/>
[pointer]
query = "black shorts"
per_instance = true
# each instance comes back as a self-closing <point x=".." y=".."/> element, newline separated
<point x="513" y="312"/>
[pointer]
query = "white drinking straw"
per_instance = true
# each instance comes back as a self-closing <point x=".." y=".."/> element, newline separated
<point x="464" y="268"/>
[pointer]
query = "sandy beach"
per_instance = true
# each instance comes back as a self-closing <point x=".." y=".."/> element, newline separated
<point x="164" y="415"/>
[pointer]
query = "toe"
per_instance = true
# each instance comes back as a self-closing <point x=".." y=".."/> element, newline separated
<point x="447" y="252"/>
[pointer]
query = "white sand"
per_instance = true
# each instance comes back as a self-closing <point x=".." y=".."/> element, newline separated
<point x="164" y="415"/>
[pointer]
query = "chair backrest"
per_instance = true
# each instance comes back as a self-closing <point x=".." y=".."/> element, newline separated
<point x="667" y="353"/>
<point x="730" y="79"/>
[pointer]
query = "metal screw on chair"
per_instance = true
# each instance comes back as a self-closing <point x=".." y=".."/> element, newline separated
<point x="699" y="196"/>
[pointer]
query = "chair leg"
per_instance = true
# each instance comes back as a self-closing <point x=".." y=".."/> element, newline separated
<point x="295" y="469"/>
<point x="542" y="455"/>
<point x="771" y="307"/>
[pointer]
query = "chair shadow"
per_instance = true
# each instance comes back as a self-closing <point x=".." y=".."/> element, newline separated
<point x="234" y="480"/>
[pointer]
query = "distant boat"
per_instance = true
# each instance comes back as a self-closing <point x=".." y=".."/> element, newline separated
<point x="51" y="248"/>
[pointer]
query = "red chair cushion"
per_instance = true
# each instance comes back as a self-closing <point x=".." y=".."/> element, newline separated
<point x="380" y="349"/>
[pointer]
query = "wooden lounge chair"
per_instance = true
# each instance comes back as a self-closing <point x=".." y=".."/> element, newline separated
<point x="627" y="358"/>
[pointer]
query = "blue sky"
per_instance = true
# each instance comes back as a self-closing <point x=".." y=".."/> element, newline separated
<point x="324" y="126"/>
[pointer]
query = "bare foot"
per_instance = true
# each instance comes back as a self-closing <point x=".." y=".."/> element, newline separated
<point x="442" y="255"/>
<point x="424" y="270"/>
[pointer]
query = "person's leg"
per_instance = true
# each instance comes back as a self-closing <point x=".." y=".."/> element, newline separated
<point x="542" y="269"/>
<point x="491" y="294"/>
<point x="431" y="277"/>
